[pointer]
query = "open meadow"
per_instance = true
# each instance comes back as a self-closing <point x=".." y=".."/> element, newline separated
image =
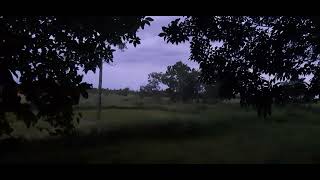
<point x="150" y="130"/>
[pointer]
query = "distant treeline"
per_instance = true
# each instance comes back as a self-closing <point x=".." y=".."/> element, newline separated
<point x="181" y="83"/>
<point x="121" y="92"/>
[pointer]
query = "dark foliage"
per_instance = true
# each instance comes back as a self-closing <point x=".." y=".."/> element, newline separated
<point x="46" y="53"/>
<point x="257" y="56"/>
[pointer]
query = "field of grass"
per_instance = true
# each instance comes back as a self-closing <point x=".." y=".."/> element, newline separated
<point x="135" y="130"/>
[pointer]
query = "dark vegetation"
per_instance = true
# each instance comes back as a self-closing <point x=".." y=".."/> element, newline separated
<point x="47" y="52"/>
<point x="200" y="116"/>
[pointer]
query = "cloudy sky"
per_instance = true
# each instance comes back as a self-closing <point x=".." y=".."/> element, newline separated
<point x="132" y="66"/>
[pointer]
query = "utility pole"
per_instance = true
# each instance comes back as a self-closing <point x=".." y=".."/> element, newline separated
<point x="100" y="90"/>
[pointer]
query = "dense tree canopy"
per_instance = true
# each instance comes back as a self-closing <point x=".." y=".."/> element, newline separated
<point x="254" y="56"/>
<point x="182" y="83"/>
<point x="46" y="53"/>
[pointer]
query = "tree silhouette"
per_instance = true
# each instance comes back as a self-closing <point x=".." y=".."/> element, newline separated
<point x="253" y="56"/>
<point x="153" y="86"/>
<point x="182" y="81"/>
<point x="47" y="52"/>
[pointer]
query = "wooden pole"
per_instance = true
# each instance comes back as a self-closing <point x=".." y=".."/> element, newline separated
<point x="100" y="90"/>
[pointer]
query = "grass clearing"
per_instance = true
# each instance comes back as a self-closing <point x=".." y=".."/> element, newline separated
<point x="179" y="133"/>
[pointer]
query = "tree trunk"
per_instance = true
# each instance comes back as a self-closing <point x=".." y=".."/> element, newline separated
<point x="100" y="91"/>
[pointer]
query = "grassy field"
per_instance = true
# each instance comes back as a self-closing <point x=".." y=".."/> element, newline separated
<point x="135" y="130"/>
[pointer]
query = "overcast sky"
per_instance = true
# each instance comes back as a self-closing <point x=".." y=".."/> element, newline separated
<point x="132" y="66"/>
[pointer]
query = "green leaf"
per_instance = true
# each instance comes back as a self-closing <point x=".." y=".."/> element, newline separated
<point x="162" y="34"/>
<point x="149" y="19"/>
